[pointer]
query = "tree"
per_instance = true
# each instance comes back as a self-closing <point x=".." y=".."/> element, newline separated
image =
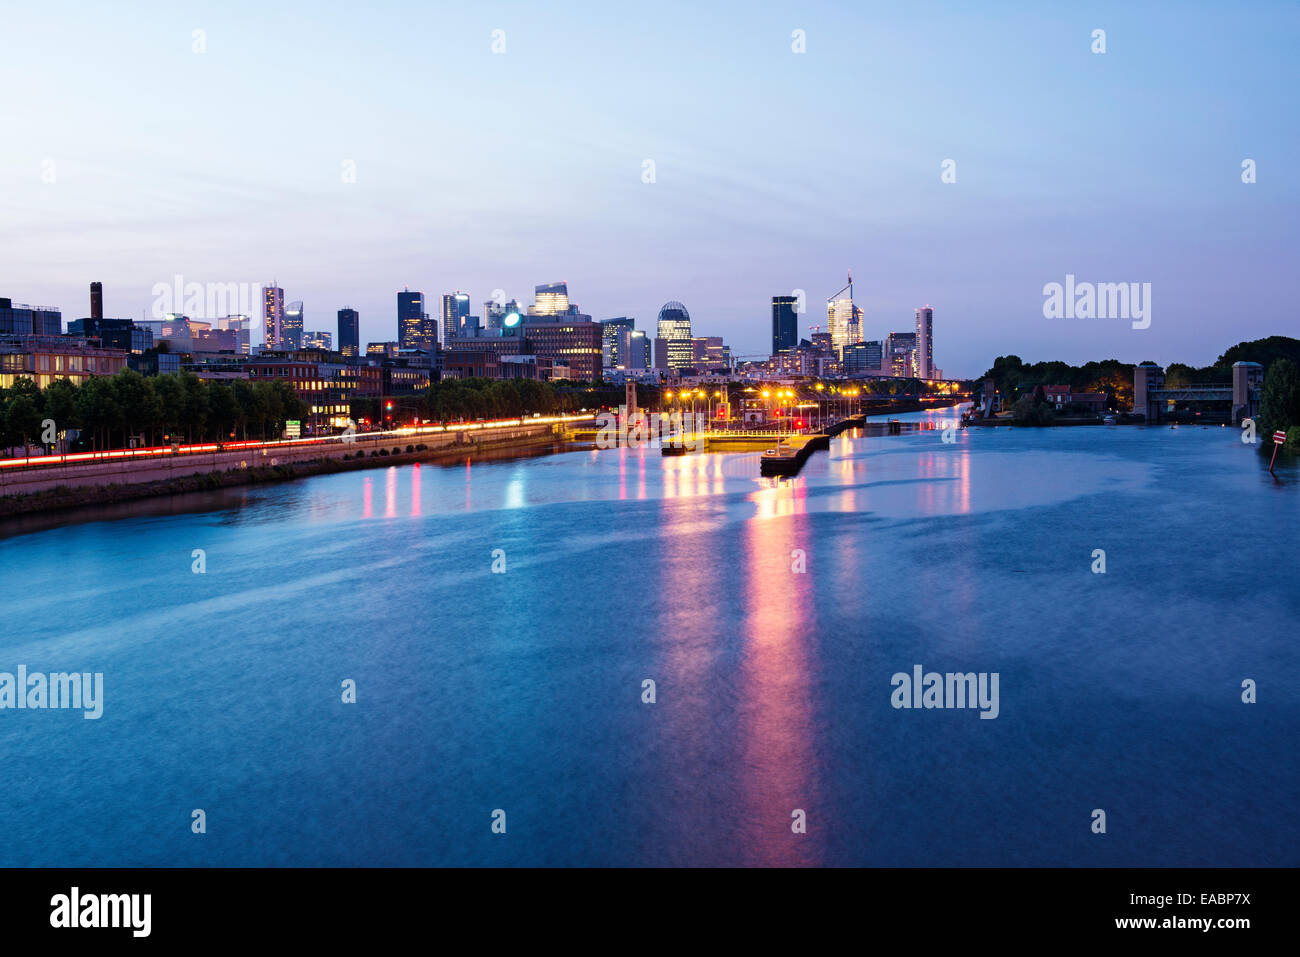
<point x="223" y="410"/>
<point x="194" y="405"/>
<point x="97" y="406"/>
<point x="171" y="400"/>
<point x="61" y="405"/>
<point x="22" y="419"/>
<point x="140" y="405"/>
<point x="1279" y="401"/>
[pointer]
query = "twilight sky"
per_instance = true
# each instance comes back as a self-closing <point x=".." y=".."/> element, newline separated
<point x="774" y="170"/>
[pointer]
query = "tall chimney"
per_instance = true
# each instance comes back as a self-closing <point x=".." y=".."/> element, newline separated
<point x="96" y="301"/>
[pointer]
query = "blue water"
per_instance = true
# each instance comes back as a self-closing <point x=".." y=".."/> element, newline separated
<point x="522" y="691"/>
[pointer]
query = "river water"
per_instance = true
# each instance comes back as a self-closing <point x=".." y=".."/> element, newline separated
<point x="771" y="616"/>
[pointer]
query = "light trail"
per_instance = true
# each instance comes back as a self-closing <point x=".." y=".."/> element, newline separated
<point x="163" y="451"/>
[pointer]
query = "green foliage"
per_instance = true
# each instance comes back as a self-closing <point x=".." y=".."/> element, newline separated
<point x="1264" y="351"/>
<point x="1013" y="378"/>
<point x="454" y="399"/>
<point x="1029" y="411"/>
<point x="108" y="411"/>
<point x="1279" y="403"/>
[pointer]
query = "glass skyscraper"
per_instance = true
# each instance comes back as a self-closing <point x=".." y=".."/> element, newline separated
<point x="414" y="331"/>
<point x="785" y="323"/>
<point x="455" y="310"/>
<point x="674" y="329"/>
<point x="617" y="337"/>
<point x="924" y="343"/>
<point x="550" y="299"/>
<point x="843" y="319"/>
<point x="273" y="317"/>
<point x="293" y="325"/>
<point x="349" y="333"/>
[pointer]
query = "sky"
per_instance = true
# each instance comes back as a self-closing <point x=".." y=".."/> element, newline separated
<point x="132" y="156"/>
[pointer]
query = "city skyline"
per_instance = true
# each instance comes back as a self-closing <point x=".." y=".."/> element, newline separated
<point x="1082" y="177"/>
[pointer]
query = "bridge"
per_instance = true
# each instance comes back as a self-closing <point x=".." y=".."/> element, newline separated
<point x="1211" y="401"/>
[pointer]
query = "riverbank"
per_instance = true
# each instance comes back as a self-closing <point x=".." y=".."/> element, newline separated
<point x="74" y="486"/>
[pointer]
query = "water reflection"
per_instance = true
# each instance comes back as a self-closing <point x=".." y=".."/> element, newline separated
<point x="777" y="736"/>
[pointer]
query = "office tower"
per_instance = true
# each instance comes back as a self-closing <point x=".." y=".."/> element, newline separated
<point x="414" y="330"/>
<point x="577" y="342"/>
<point x="96" y="300"/>
<point x="785" y="323"/>
<point x="640" y="351"/>
<point x="349" y="333"/>
<point x="674" y="327"/>
<point x="240" y="327"/>
<point x="317" y="340"/>
<point x="455" y="309"/>
<point x="843" y="318"/>
<point x="707" y="352"/>
<point x="900" y="354"/>
<point x="293" y="325"/>
<point x="875" y="354"/>
<point x="858" y="358"/>
<point x="617" y="341"/>
<point x="550" y="299"/>
<point x="273" y="317"/>
<point x="925" y="343"/>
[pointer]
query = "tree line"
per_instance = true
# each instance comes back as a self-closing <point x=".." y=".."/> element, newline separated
<point x="108" y="411"/>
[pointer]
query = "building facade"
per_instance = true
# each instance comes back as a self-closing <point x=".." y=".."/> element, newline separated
<point x="579" y="343"/>
<point x="785" y="323"/>
<point x="23" y="320"/>
<point x="455" y="309"/>
<point x="924" y="343"/>
<point x="273" y="317"/>
<point x="414" y="329"/>
<point x="46" y="358"/>
<point x="349" y="333"/>
<point x="674" y="331"/>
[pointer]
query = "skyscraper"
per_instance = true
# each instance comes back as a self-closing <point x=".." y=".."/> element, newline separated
<point x="414" y="331"/>
<point x="843" y="319"/>
<point x="349" y="333"/>
<point x="273" y="317"/>
<point x="924" y="343"/>
<point x="674" y="328"/>
<point x="293" y="325"/>
<point x="96" y="300"/>
<point x="785" y="323"/>
<point x="550" y="299"/>
<point x="617" y="341"/>
<point x="640" y="348"/>
<point x="455" y="309"/>
<point x="900" y="354"/>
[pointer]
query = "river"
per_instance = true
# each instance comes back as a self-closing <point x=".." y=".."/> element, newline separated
<point x="771" y="616"/>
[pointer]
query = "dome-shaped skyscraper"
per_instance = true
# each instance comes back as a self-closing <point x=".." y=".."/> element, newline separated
<point x="674" y="331"/>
